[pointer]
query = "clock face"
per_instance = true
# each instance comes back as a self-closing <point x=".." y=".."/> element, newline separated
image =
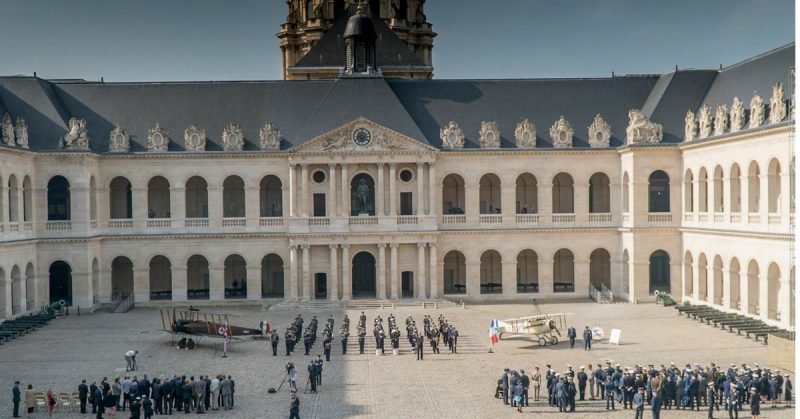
<point x="362" y="137"/>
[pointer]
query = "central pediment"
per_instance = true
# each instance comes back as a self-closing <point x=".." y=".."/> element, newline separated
<point x="362" y="135"/>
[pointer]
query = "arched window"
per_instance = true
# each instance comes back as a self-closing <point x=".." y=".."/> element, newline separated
<point x="599" y="193"/>
<point x="659" y="272"/>
<point x="455" y="273"/>
<point x="719" y="191"/>
<point x="362" y="195"/>
<point x="702" y="187"/>
<point x="13" y="199"/>
<point x="235" y="277"/>
<point x="527" y="202"/>
<point x="453" y="194"/>
<point x="121" y="278"/>
<point x="160" y="278"/>
<point x="197" y="278"/>
<point x="564" y="271"/>
<point x="233" y="197"/>
<point x="120" y="198"/>
<point x="600" y="269"/>
<point x="753" y="188"/>
<point x="658" y="192"/>
<point x="158" y="200"/>
<point x="688" y="191"/>
<point x="490" y="194"/>
<point x="736" y="189"/>
<point x="563" y="194"/>
<point x="271" y="196"/>
<point x="196" y="198"/>
<point x="272" y="276"/>
<point x="626" y="207"/>
<point x="309" y="9"/>
<point x="753" y="287"/>
<point x="735" y="284"/>
<point x="491" y="273"/>
<point x="58" y="199"/>
<point x="688" y="274"/>
<point x="60" y="283"/>
<point x="774" y="186"/>
<point x="527" y="271"/>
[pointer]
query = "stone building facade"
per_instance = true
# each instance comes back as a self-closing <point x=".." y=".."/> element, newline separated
<point x="473" y="190"/>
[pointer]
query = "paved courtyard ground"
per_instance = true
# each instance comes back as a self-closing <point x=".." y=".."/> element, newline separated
<point x="442" y="386"/>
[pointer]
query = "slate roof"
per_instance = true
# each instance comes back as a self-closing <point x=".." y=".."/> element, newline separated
<point x="416" y="108"/>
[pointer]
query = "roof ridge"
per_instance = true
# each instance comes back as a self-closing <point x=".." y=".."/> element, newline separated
<point x="755" y="57"/>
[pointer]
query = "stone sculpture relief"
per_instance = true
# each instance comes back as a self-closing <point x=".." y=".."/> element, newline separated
<point x="705" y="122"/>
<point x="525" y="134"/>
<point x="8" y="130"/>
<point x="452" y="136"/>
<point x="756" y="110"/>
<point x="489" y="135"/>
<point x="232" y="138"/>
<point x="77" y="137"/>
<point x="561" y="133"/>
<point x="777" y="105"/>
<point x="194" y="138"/>
<point x="599" y="132"/>
<point x="22" y="132"/>
<point x="118" y="140"/>
<point x="270" y="136"/>
<point x="721" y="119"/>
<point x="642" y="130"/>
<point x="689" y="126"/>
<point x="157" y="139"/>
<point x="737" y="115"/>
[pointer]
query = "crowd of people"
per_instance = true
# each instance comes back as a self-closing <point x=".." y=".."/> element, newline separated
<point x="713" y="388"/>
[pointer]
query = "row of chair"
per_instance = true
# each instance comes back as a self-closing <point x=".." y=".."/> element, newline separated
<point x="65" y="402"/>
<point x="12" y="329"/>
<point x="733" y="321"/>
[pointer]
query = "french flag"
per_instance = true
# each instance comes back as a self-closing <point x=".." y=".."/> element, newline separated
<point x="493" y="338"/>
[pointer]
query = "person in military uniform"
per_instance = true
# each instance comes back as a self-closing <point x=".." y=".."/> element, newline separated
<point x="307" y="341"/>
<point x="420" y="345"/>
<point x="274" y="339"/>
<point x="312" y="375"/>
<point x="582" y="378"/>
<point x="288" y="341"/>
<point x="361" y="337"/>
<point x="326" y="347"/>
<point x="318" y="362"/>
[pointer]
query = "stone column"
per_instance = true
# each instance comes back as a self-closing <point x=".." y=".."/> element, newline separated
<point x="785" y="297"/>
<point x="332" y="208"/>
<point x="508" y="275"/>
<point x="433" y="271"/>
<point x="4" y="205"/>
<point x="381" y="271"/>
<point x="544" y="199"/>
<point x="726" y="197"/>
<point x="508" y="200"/>
<point x="306" y="250"/>
<point x="79" y="201"/>
<point x="293" y="278"/>
<point x="347" y="281"/>
<point x="252" y="206"/>
<point x="6" y="283"/>
<point x="345" y="193"/>
<point x="177" y="204"/>
<point x="763" y="202"/>
<point x="304" y="190"/>
<point x="581" y="276"/>
<point x="254" y="281"/>
<point x="379" y="186"/>
<point x="473" y="274"/>
<point x="216" y="283"/>
<point x="726" y="285"/>
<point x="289" y="290"/>
<point x="420" y="189"/>
<point x="393" y="278"/>
<point x="215" y="206"/>
<point x="472" y="206"/>
<point x="291" y="190"/>
<point x="180" y="280"/>
<point x="763" y="288"/>
<point x="419" y="276"/>
<point x="580" y="201"/>
<point x="140" y="208"/>
<point x="333" y="285"/>
<point x="392" y="191"/>
<point x="81" y="289"/>
<point x="432" y="201"/>
<point x="141" y="285"/>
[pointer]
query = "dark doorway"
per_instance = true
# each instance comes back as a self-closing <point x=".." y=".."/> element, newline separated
<point x="364" y="275"/>
<point x="58" y="199"/>
<point x="320" y="286"/>
<point x="406" y="203"/>
<point x="60" y="283"/>
<point x="407" y="284"/>
<point x="319" y="204"/>
<point x="659" y="272"/>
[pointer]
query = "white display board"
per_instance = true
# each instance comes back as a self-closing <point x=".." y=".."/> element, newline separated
<point x="614" y="338"/>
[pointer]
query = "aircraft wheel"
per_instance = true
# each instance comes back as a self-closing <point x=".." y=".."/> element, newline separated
<point x="553" y="340"/>
<point x="542" y="341"/>
<point x="500" y="336"/>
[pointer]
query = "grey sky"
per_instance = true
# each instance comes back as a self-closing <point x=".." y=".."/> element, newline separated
<point x="127" y="40"/>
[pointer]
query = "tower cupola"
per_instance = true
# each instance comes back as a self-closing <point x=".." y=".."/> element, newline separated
<point x="359" y="37"/>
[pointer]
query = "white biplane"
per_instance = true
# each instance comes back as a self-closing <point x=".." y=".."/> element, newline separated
<point x="544" y="327"/>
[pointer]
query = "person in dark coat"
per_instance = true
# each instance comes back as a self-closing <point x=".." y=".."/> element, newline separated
<point x="97" y="399"/>
<point x="582" y="377"/>
<point x="207" y="400"/>
<point x="167" y="391"/>
<point x="420" y="345"/>
<point x="16" y="398"/>
<point x="637" y="403"/>
<point x="294" y="407"/>
<point x="787" y="391"/>
<point x="136" y="408"/>
<point x="504" y="385"/>
<point x="518" y="398"/>
<point x="711" y="400"/>
<point x="83" y="395"/>
<point x="147" y="407"/>
<point x="609" y="386"/>
<point x="572" y="334"/>
<point x="186" y="396"/>
<point x="526" y="382"/>
<point x="655" y="405"/>
<point x="587" y="341"/>
<point x="755" y="403"/>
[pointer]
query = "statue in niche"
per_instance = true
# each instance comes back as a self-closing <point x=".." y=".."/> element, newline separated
<point x="362" y="198"/>
<point x="421" y="18"/>
<point x="292" y="16"/>
<point x="8" y="130"/>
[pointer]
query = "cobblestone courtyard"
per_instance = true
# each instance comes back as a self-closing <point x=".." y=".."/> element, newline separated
<point x="442" y="386"/>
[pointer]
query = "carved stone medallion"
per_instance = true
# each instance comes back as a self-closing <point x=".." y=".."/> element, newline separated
<point x="721" y="119"/>
<point x="689" y="126"/>
<point x="525" y="134"/>
<point x="489" y="135"/>
<point x="118" y="140"/>
<point x="157" y="139"/>
<point x="777" y="105"/>
<point x="452" y="136"/>
<point x="561" y="133"/>
<point x="737" y="115"/>
<point x="705" y="122"/>
<point x="194" y="138"/>
<point x="232" y="137"/>
<point x="22" y="132"/>
<point x="756" y="110"/>
<point x="8" y="130"/>
<point x="599" y="132"/>
<point x="270" y="136"/>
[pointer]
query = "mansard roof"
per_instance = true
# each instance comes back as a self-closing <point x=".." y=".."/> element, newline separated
<point x="416" y="108"/>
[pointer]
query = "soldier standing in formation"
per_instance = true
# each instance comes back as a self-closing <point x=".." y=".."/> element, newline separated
<point x="274" y="339"/>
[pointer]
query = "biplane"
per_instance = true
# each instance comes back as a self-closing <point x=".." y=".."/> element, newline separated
<point x="184" y="325"/>
<point x="544" y="327"/>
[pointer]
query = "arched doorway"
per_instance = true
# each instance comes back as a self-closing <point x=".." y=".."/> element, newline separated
<point x="233" y="197"/>
<point x="455" y="273"/>
<point x="196" y="198"/>
<point x="272" y="276"/>
<point x="659" y="272"/>
<point x="564" y="271"/>
<point x="271" y="197"/>
<point x="235" y="277"/>
<point x="527" y="271"/>
<point x="489" y="194"/>
<point x="688" y="191"/>
<point x="599" y="193"/>
<point x="197" y="278"/>
<point x="363" y="273"/>
<point x="160" y="278"/>
<point x="58" y="199"/>
<point x="121" y="278"/>
<point x="491" y="273"/>
<point x="61" y="282"/>
<point x="362" y="195"/>
<point x="600" y="269"/>
<point x="719" y="190"/>
<point x="13" y="200"/>
<point x="735" y="188"/>
<point x="120" y="197"/>
<point x="527" y="199"/>
<point x="453" y="194"/>
<point x="658" y="192"/>
<point x="563" y="194"/>
<point x="158" y="201"/>
<point x="30" y="287"/>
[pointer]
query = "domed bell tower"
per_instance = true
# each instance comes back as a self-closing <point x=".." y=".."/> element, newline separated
<point x="359" y="38"/>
